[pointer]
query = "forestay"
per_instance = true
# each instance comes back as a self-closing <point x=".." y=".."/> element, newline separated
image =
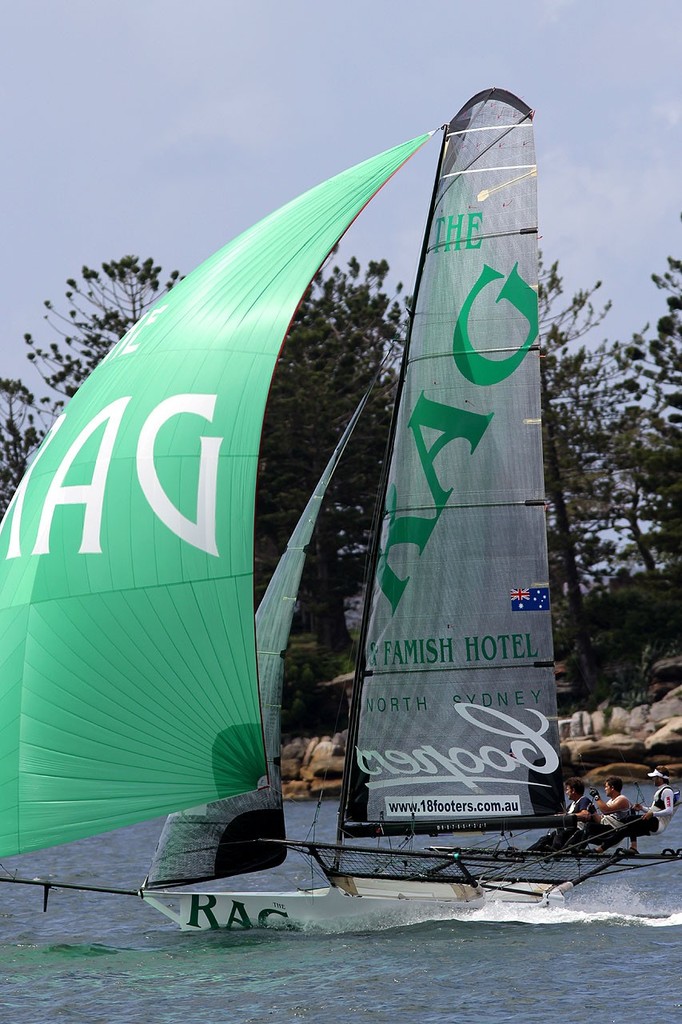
<point x="222" y="838"/>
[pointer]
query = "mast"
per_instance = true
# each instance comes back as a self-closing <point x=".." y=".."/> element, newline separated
<point x="454" y="712"/>
<point x="381" y="500"/>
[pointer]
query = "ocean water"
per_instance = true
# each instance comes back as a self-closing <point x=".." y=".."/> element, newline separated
<point x="102" y="959"/>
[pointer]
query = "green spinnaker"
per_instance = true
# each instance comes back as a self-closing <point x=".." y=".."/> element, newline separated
<point x="128" y="682"/>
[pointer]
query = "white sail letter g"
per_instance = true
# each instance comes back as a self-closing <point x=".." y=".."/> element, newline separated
<point x="200" y="534"/>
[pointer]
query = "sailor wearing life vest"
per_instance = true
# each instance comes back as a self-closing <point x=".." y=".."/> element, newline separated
<point x="658" y="816"/>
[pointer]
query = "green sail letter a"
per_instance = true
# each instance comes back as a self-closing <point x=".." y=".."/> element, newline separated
<point x="451" y="424"/>
<point x="470" y="363"/>
<point x="401" y="530"/>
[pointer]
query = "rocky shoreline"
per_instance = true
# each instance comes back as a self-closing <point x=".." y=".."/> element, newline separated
<point x="598" y="744"/>
<point x="608" y="741"/>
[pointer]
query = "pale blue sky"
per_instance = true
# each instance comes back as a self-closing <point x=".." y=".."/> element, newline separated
<point x="163" y="128"/>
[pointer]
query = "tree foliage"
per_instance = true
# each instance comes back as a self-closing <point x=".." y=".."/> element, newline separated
<point x="612" y="415"/>
<point x="340" y="342"/>
<point x="101" y="307"/>
<point x="607" y="441"/>
<point x="21" y="428"/>
<point x="660" y="359"/>
<point x="573" y="445"/>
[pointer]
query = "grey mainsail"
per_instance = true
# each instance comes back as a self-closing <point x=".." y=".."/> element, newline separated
<point x="454" y="704"/>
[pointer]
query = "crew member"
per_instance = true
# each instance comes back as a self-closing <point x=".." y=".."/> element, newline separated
<point x="656" y="818"/>
<point x="612" y="813"/>
<point x="579" y="805"/>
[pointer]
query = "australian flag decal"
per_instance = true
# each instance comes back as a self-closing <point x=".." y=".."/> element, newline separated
<point x="530" y="599"/>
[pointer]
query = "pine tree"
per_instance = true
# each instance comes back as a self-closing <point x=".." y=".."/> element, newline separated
<point x="337" y="345"/>
<point x="572" y="445"/>
<point x="22" y="426"/>
<point x="102" y="306"/>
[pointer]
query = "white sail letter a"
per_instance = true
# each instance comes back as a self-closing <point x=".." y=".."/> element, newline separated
<point x="16" y="505"/>
<point x="91" y="495"/>
<point x="200" y="534"/>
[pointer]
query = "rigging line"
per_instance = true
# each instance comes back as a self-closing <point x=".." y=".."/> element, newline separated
<point x="385" y="363"/>
<point x="377" y="511"/>
<point x="372" y="557"/>
<point x="310" y="863"/>
<point x="342" y="706"/>
<point x="313" y="823"/>
<point x="631" y="779"/>
<point x="311" y="834"/>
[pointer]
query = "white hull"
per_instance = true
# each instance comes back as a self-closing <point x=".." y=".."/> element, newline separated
<point x="327" y="907"/>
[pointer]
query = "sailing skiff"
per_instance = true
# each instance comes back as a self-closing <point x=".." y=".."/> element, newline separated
<point x="136" y="679"/>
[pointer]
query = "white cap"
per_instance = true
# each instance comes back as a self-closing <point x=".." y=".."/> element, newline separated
<point x="655" y="774"/>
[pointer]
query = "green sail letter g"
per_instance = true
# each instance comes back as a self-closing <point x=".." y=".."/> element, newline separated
<point x="471" y="364"/>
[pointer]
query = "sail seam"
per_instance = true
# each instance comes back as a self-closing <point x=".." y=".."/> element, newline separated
<point x="451" y="505"/>
<point x="448" y="355"/>
<point x="485" y="236"/>
<point x="428" y="669"/>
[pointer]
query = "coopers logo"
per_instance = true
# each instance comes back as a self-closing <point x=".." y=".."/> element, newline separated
<point x="524" y="748"/>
